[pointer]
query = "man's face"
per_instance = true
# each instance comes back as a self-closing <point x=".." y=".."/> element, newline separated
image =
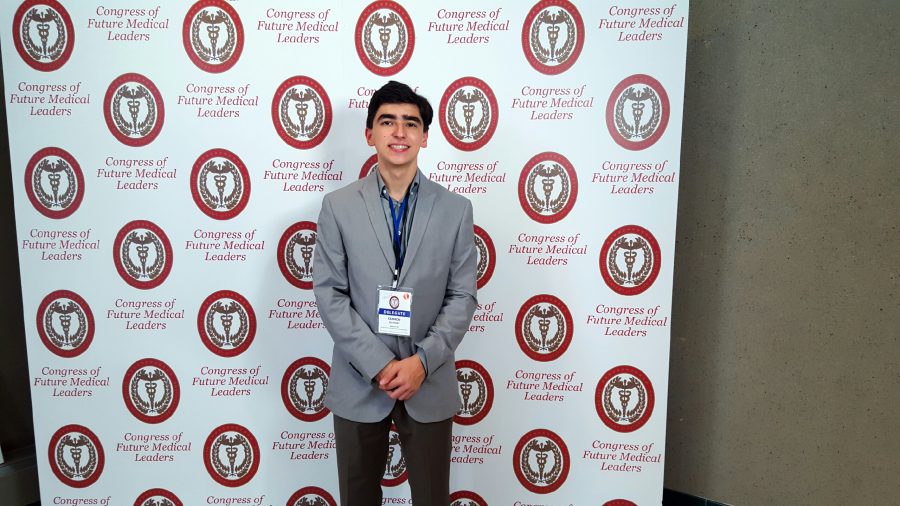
<point x="397" y="133"/>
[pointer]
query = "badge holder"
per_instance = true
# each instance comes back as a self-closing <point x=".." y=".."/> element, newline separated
<point x="394" y="310"/>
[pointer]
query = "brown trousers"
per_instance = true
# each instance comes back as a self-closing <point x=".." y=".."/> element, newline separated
<point x="362" y="451"/>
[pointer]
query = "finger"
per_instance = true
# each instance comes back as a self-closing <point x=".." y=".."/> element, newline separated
<point x="405" y="391"/>
<point x="387" y="378"/>
<point x="394" y="383"/>
<point x="386" y="373"/>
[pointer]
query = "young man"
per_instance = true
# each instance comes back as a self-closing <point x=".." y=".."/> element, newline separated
<point x="394" y="279"/>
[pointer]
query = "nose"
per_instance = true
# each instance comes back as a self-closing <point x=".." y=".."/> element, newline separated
<point x="399" y="130"/>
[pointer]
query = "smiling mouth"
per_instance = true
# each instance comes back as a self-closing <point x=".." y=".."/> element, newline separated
<point x="398" y="147"/>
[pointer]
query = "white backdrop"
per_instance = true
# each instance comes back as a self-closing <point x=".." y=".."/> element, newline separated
<point x="170" y="161"/>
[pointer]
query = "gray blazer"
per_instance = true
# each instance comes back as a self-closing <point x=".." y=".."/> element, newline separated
<point x="353" y="256"/>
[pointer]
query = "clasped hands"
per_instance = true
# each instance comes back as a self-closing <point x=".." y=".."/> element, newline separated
<point x="401" y="379"/>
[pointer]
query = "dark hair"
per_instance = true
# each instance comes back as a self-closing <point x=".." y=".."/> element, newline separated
<point x="398" y="93"/>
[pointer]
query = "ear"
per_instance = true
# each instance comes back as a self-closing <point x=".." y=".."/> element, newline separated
<point x="369" y="140"/>
<point x="425" y="140"/>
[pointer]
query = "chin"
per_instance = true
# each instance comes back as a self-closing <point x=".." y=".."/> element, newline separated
<point x="398" y="161"/>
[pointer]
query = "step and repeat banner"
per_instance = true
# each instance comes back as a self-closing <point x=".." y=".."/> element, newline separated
<point x="169" y="162"/>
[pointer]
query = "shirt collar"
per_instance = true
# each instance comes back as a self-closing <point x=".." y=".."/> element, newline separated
<point x="382" y="188"/>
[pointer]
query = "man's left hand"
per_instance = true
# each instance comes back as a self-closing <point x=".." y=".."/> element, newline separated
<point x="406" y="376"/>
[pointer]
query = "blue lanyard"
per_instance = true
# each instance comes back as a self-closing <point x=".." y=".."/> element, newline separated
<point x="398" y="216"/>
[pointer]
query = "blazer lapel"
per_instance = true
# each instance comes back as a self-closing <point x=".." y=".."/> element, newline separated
<point x="372" y="198"/>
<point x="424" y="206"/>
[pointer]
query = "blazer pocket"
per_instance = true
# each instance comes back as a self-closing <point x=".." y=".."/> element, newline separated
<point x="355" y="369"/>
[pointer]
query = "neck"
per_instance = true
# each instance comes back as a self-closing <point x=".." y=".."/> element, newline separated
<point x="397" y="179"/>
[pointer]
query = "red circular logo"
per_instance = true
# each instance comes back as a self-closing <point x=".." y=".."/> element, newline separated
<point x="295" y="254"/>
<point x="231" y="455"/>
<point x="624" y="398"/>
<point x="630" y="260"/>
<point x="65" y="323"/>
<point x="303" y="389"/>
<point x="213" y="35"/>
<point x="220" y="184"/>
<point x="631" y="123"/>
<point x="311" y="496"/>
<point x="301" y="112"/>
<point x="541" y="461"/>
<point x="54" y="183"/>
<point x="158" y="497"/>
<point x="619" y="502"/>
<point x="368" y="166"/>
<point x="552" y="36"/>
<point x="487" y="257"/>
<point x="385" y="37"/>
<point x="466" y="498"/>
<point x="476" y="392"/>
<point x="143" y="254"/>
<point x="395" y="471"/>
<point x="134" y="110"/>
<point x="43" y="34"/>
<point x="544" y="328"/>
<point x="150" y="389"/>
<point x="226" y="323"/>
<point x="76" y="456"/>
<point x="468" y="113"/>
<point x="548" y="187"/>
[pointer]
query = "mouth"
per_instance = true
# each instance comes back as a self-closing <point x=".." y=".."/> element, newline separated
<point x="398" y="147"/>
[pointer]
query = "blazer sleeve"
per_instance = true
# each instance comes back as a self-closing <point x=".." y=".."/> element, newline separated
<point x="352" y="336"/>
<point x="456" y="312"/>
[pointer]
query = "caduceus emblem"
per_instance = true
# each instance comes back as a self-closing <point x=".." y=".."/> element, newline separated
<point x="227" y="188"/>
<point x="629" y="248"/>
<point x="631" y="122"/>
<point x="297" y="120"/>
<point x="221" y="315"/>
<point x="542" y="449"/>
<point x="145" y="393"/>
<point x="396" y="463"/>
<point x="387" y="23"/>
<point x="136" y="124"/>
<point x="206" y="36"/>
<point x="308" y="399"/>
<point x="51" y="173"/>
<point x="621" y="408"/>
<point x="555" y="188"/>
<point x="544" y="341"/>
<point x="144" y="269"/>
<point x="315" y="500"/>
<point x="465" y="101"/>
<point x="50" y="31"/>
<point x="469" y="380"/>
<point x="232" y="446"/>
<point x="58" y="320"/>
<point x="547" y="27"/>
<point x="305" y="241"/>
<point x="158" y="501"/>
<point x="76" y="457"/>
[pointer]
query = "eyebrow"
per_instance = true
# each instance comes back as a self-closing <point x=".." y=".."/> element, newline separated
<point x="406" y="117"/>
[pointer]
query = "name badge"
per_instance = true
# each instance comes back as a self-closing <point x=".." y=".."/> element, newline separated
<point x="394" y="310"/>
